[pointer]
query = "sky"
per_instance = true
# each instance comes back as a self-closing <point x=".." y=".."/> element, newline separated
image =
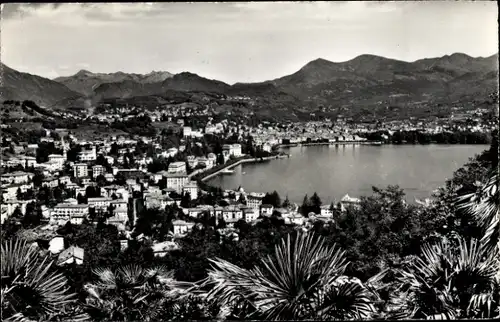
<point x="237" y="42"/>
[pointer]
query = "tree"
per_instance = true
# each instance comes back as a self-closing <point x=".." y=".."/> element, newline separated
<point x="220" y="159"/>
<point x="444" y="283"/>
<point x="134" y="293"/>
<point x="315" y="203"/>
<point x="38" y="179"/>
<point x="81" y="199"/>
<point x="382" y="231"/>
<point x="31" y="289"/>
<point x="186" y="200"/>
<point x="483" y="206"/>
<point x="312" y="286"/>
<point x="306" y="206"/>
<point x="286" y="203"/>
<point x="272" y="199"/>
<point x="33" y="216"/>
<point x="101" y="180"/>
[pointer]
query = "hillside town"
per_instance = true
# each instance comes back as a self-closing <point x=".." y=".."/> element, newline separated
<point x="56" y="176"/>
<point x="115" y="179"/>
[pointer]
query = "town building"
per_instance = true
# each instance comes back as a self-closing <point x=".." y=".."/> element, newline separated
<point x="80" y="170"/>
<point x="63" y="213"/>
<point x="266" y="210"/>
<point x="348" y="201"/>
<point x="16" y="177"/>
<point x="254" y="200"/>
<point x="176" y="181"/>
<point x="98" y="170"/>
<point x="181" y="227"/>
<point x="192" y="189"/>
<point x="71" y="255"/>
<point x="158" y="201"/>
<point x="57" y="159"/>
<point x="177" y="167"/>
<point x="88" y="155"/>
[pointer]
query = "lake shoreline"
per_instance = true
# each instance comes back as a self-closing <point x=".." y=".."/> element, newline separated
<point x="417" y="169"/>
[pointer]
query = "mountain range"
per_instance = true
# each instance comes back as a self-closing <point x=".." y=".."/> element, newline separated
<point x="362" y="81"/>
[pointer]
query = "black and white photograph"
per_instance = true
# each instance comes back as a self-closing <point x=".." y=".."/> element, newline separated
<point x="245" y="161"/>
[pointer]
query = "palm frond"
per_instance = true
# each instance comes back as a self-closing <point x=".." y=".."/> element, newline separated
<point x="31" y="288"/>
<point x="282" y="285"/>
<point x="483" y="205"/>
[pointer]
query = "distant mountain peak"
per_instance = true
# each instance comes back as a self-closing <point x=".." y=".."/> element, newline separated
<point x="83" y="72"/>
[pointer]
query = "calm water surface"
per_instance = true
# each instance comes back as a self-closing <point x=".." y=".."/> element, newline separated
<point x="333" y="171"/>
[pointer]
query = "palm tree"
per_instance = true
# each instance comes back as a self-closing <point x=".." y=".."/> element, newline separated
<point x="303" y="280"/>
<point x="31" y="289"/>
<point x="483" y="206"/>
<point x="133" y="293"/>
<point x="446" y="282"/>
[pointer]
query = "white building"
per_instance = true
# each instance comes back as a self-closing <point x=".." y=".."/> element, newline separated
<point x="16" y="177"/>
<point x="192" y="188"/>
<point x="88" y="155"/>
<point x="182" y="227"/>
<point x="80" y="170"/>
<point x="266" y="210"/>
<point x="61" y="213"/>
<point x="158" y="201"/>
<point x="10" y="191"/>
<point x="9" y="206"/>
<point x="250" y="214"/>
<point x="98" y="170"/>
<point x="57" y="159"/>
<point x="99" y="203"/>
<point x="186" y="131"/>
<point x="176" y="181"/>
<point x="254" y="200"/>
<point x="232" y="149"/>
<point x="348" y="201"/>
<point x="326" y="212"/>
<point x="72" y="254"/>
<point x="29" y="161"/>
<point x="211" y="160"/>
<point x="177" y="167"/>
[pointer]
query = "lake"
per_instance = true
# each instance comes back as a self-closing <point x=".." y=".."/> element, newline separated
<point x="332" y="171"/>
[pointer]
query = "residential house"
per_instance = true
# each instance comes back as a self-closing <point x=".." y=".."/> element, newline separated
<point x="57" y="159"/>
<point x="254" y="200"/>
<point x="88" y="155"/>
<point x="182" y="227"/>
<point x="16" y="177"/>
<point x="266" y="210"/>
<point x="71" y="255"/>
<point x="98" y="170"/>
<point x="80" y="170"/>
<point x="326" y="211"/>
<point x="176" y="181"/>
<point x="163" y="248"/>
<point x="157" y="201"/>
<point x="192" y="189"/>
<point x="62" y="213"/>
<point x="10" y="191"/>
<point x="99" y="203"/>
<point x="348" y="201"/>
<point x="177" y="167"/>
<point x="50" y="182"/>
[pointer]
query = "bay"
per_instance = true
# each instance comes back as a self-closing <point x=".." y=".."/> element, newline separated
<point x="333" y="171"/>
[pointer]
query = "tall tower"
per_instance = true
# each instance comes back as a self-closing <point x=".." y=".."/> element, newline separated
<point x="65" y="149"/>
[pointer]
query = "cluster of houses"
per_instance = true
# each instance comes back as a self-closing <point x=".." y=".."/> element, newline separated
<point x="118" y="198"/>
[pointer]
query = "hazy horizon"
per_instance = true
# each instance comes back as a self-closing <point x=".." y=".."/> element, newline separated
<point x="237" y="42"/>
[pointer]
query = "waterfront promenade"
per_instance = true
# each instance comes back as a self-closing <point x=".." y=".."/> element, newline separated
<point x="232" y="165"/>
